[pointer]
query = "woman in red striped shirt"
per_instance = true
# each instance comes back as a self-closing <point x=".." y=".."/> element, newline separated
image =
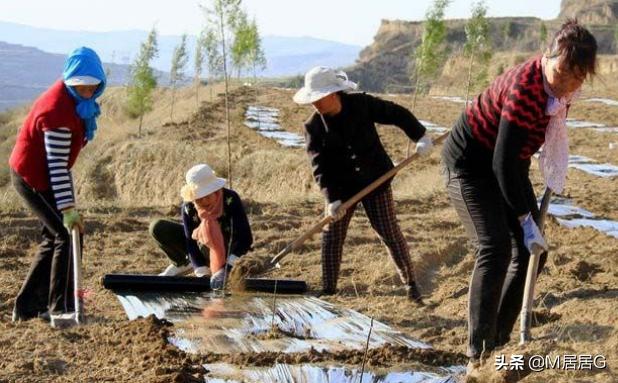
<point x="487" y="160"/>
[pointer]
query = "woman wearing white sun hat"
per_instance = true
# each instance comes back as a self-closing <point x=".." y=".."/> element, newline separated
<point x="346" y="155"/>
<point x="214" y="232"/>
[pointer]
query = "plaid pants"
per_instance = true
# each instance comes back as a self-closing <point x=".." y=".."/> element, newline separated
<point x="381" y="213"/>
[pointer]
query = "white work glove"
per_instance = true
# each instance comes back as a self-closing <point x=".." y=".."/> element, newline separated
<point x="334" y="211"/>
<point x="424" y="146"/>
<point x="202" y="271"/>
<point x="218" y="279"/>
<point x="533" y="239"/>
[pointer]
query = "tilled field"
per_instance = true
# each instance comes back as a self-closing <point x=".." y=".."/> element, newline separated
<point x="577" y="293"/>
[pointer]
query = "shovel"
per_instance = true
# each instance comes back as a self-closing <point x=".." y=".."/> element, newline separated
<point x="77" y="317"/>
<point x="533" y="268"/>
<point x="274" y="263"/>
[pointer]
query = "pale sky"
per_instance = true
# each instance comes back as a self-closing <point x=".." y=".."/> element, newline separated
<point x="348" y="21"/>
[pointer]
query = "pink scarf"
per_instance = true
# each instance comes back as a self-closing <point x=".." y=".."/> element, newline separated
<point x="209" y="232"/>
<point x="554" y="158"/>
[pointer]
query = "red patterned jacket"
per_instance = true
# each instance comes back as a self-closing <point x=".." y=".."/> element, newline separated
<point x="501" y="129"/>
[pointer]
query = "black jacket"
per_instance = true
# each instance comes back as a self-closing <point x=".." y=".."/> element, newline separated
<point x="347" y="154"/>
<point x="234" y="227"/>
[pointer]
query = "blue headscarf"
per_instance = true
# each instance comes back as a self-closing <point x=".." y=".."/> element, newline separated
<point x="85" y="62"/>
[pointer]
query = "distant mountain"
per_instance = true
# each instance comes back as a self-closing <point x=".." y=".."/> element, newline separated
<point x="25" y="72"/>
<point x="285" y="55"/>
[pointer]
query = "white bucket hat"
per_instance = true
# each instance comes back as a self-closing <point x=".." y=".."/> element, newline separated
<point x="201" y="181"/>
<point x="320" y="82"/>
<point x="82" y="80"/>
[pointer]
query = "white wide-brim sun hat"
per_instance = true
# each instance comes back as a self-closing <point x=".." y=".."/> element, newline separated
<point x="82" y="80"/>
<point x="200" y="182"/>
<point x="320" y="82"/>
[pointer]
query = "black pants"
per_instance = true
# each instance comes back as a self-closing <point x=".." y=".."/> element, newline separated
<point x="170" y="237"/>
<point x="498" y="279"/>
<point x="49" y="283"/>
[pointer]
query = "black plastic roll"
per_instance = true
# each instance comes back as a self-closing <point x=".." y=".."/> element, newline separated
<point x="144" y="282"/>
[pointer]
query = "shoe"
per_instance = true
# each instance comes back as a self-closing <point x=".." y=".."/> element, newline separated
<point x="414" y="295"/>
<point x="173" y="270"/>
<point x="202" y="271"/>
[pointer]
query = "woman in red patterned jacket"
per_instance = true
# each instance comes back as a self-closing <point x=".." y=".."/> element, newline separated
<point x="487" y="159"/>
<point x="62" y="120"/>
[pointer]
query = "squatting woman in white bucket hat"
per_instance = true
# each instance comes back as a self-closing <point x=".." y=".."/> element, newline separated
<point x="214" y="231"/>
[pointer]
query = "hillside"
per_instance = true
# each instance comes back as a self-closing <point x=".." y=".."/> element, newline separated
<point x="386" y="64"/>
